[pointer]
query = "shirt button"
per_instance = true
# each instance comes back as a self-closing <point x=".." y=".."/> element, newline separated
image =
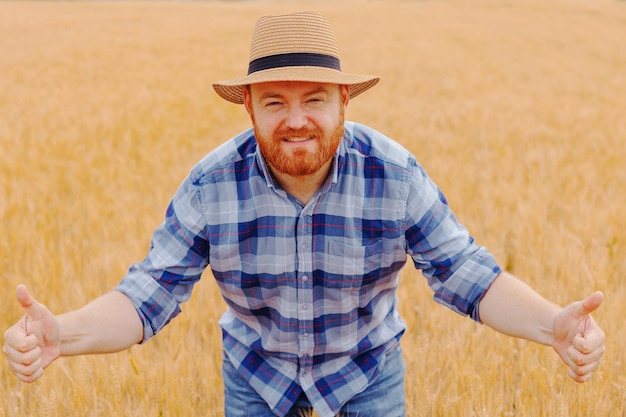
<point x="305" y="277"/>
<point x="305" y="335"/>
<point x="305" y="306"/>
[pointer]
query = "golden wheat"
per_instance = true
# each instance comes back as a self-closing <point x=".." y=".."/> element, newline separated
<point x="515" y="108"/>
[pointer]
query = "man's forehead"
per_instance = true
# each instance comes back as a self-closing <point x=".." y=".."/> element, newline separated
<point x="282" y="88"/>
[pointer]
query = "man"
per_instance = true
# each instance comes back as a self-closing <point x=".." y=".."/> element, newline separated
<point x="306" y="221"/>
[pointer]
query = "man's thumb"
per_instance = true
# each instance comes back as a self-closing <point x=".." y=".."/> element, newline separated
<point x="589" y="305"/>
<point x="28" y="303"/>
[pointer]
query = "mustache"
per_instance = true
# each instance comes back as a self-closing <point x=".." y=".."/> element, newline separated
<point x="297" y="133"/>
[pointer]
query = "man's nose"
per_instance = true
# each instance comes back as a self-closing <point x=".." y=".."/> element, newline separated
<point x="296" y="117"/>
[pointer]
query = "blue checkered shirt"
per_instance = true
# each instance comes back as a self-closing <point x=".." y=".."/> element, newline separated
<point x="311" y="290"/>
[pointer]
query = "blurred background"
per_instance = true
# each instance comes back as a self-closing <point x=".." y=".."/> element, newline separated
<point x="515" y="109"/>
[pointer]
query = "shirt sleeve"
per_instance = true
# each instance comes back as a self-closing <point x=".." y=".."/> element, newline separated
<point x="178" y="255"/>
<point x="457" y="270"/>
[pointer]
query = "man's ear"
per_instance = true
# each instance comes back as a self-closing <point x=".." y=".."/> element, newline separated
<point x="344" y="92"/>
<point x="247" y="99"/>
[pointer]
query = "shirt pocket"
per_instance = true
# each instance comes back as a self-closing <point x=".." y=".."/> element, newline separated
<point x="348" y="264"/>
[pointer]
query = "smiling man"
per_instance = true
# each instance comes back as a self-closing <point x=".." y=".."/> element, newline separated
<point x="298" y="127"/>
<point x="306" y="221"/>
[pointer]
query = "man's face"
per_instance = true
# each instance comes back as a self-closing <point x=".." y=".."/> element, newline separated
<point x="298" y="125"/>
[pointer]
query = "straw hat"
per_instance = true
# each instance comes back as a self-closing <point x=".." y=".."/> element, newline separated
<point x="293" y="47"/>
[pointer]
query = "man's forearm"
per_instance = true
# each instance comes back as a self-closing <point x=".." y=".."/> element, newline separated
<point x="107" y="324"/>
<point x="513" y="308"/>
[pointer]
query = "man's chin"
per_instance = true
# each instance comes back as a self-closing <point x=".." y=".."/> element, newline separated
<point x="299" y="171"/>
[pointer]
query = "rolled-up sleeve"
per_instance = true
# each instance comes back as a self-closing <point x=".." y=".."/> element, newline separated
<point x="178" y="255"/>
<point x="457" y="270"/>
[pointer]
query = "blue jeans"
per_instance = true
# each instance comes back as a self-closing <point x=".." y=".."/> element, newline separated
<point x="383" y="398"/>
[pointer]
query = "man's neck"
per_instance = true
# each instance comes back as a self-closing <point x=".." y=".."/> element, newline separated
<point x="303" y="187"/>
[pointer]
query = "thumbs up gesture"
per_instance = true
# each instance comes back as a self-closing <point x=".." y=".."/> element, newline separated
<point x="34" y="341"/>
<point x="578" y="340"/>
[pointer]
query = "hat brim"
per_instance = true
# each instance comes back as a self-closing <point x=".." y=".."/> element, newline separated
<point x="232" y="90"/>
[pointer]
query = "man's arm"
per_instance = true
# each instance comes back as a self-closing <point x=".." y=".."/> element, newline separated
<point x="108" y="324"/>
<point x="513" y="308"/>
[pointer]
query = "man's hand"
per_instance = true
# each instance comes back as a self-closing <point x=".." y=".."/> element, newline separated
<point x="33" y="342"/>
<point x="578" y="340"/>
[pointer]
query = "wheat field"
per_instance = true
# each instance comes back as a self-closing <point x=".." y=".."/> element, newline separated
<point x="515" y="108"/>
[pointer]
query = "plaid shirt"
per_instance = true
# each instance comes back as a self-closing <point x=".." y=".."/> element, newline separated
<point x="311" y="290"/>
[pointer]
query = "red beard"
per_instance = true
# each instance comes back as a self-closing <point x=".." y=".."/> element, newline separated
<point x="300" y="162"/>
